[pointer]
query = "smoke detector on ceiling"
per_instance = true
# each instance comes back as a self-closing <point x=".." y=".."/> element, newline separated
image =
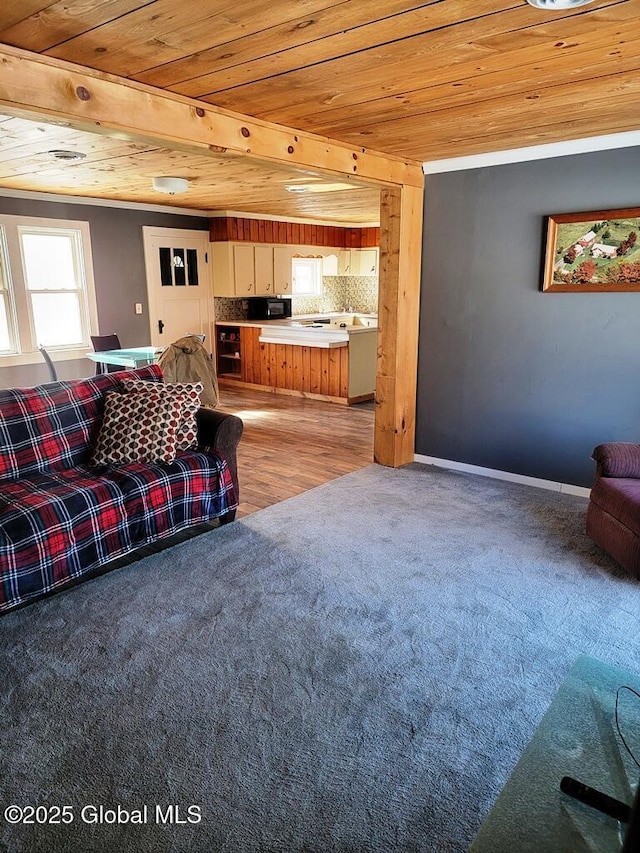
<point x="558" y="5"/>
<point x="170" y="186"/>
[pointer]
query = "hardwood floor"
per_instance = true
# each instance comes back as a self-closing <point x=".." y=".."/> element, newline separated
<point x="291" y="444"/>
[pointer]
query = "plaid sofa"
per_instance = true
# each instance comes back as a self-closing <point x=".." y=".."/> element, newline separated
<point x="61" y="518"/>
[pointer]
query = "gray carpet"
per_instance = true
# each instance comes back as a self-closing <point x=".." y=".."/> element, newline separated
<point x="356" y="670"/>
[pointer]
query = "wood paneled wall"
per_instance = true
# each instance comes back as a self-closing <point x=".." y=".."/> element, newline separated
<point x="237" y="228"/>
<point x="311" y="370"/>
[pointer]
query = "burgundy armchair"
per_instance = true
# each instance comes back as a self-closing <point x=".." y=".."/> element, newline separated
<point x="613" y="514"/>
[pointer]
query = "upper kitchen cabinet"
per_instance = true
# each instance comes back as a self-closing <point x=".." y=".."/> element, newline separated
<point x="358" y="262"/>
<point x="242" y="269"/>
<point x="282" y="256"/>
<point x="263" y="263"/>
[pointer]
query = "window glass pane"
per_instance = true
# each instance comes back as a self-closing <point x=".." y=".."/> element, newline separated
<point x="165" y="268"/>
<point x="48" y="261"/>
<point x="57" y="318"/>
<point x="307" y="275"/>
<point x="179" y="270"/>
<point x="192" y="266"/>
<point x="5" y="340"/>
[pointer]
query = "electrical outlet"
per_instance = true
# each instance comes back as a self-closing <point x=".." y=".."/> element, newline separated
<point x="138" y="307"/>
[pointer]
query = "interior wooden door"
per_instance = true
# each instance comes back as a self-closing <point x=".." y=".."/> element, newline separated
<point x="178" y="284"/>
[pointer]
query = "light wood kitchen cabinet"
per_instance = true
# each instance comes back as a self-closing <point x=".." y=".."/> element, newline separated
<point x="242" y="269"/>
<point x="358" y="262"/>
<point x="248" y="269"/>
<point x="263" y="275"/>
<point x="282" y="256"/>
<point x="253" y="270"/>
<point x="368" y="261"/>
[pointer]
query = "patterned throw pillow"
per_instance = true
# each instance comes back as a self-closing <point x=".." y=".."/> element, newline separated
<point x="138" y="427"/>
<point x="189" y="394"/>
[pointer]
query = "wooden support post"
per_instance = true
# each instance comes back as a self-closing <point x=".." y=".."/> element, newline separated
<point x="398" y="309"/>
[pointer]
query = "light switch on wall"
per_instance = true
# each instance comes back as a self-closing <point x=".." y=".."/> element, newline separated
<point x="138" y="307"/>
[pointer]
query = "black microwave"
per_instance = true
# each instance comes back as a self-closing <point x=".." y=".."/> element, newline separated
<point x="269" y="308"/>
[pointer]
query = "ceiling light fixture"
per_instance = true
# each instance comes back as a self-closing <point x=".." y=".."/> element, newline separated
<point x="558" y="5"/>
<point x="170" y="186"/>
<point x="61" y="154"/>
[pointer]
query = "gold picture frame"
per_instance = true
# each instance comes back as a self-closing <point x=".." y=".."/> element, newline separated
<point x="597" y="251"/>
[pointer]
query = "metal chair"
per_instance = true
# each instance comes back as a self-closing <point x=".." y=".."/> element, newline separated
<point x="53" y="373"/>
<point x="102" y="343"/>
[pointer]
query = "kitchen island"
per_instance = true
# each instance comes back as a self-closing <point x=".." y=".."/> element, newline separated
<point x="329" y="357"/>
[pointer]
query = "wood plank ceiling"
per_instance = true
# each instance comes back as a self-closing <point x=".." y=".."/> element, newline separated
<point x="423" y="81"/>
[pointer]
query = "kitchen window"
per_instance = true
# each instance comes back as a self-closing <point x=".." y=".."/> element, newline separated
<point x="306" y="276"/>
<point x="47" y="294"/>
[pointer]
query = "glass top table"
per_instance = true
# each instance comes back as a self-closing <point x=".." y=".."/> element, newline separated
<point x="577" y="737"/>
<point x="130" y="357"/>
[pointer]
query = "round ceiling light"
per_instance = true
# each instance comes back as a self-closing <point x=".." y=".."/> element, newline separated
<point x="170" y="186"/>
<point x="558" y="5"/>
<point x="61" y="154"/>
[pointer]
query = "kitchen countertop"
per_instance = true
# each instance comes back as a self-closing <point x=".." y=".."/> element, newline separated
<point x="293" y="321"/>
<point x="297" y="331"/>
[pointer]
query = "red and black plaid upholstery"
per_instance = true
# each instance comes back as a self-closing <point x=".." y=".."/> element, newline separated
<point x="55" y="425"/>
<point x="60" y="518"/>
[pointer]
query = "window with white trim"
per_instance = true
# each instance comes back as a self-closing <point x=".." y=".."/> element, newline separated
<point x="306" y="276"/>
<point x="7" y="308"/>
<point x="47" y="293"/>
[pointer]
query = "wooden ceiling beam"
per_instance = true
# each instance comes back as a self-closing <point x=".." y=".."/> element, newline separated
<point x="35" y="86"/>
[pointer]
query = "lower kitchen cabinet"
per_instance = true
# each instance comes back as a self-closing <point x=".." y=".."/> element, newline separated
<point x="229" y="352"/>
<point x="286" y="368"/>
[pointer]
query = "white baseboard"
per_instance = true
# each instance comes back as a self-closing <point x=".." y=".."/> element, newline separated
<point x="565" y="488"/>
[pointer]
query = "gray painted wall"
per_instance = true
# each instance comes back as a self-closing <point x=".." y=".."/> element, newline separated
<point x="118" y="266"/>
<point x="509" y="377"/>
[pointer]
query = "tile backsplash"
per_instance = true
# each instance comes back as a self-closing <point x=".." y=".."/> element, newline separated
<point x="360" y="293"/>
<point x="230" y="309"/>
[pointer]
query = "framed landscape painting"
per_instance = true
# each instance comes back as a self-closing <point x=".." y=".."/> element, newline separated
<point x="595" y="251"/>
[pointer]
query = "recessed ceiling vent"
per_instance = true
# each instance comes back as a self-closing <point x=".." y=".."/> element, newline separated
<point x="69" y="156"/>
<point x="558" y="5"/>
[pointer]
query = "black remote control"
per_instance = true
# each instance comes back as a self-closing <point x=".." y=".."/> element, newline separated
<point x="596" y="799"/>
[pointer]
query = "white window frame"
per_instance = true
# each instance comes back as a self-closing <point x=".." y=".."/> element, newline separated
<point x="316" y="274"/>
<point x="6" y="291"/>
<point x="21" y="320"/>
